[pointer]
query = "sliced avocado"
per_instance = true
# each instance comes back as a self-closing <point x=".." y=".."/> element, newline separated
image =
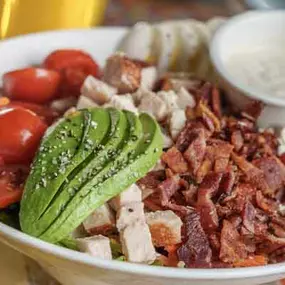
<point x="104" y="153"/>
<point x="132" y="164"/>
<point x="64" y="147"/>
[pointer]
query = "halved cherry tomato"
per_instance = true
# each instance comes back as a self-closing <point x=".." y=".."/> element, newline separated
<point x="31" y="84"/>
<point x="12" y="178"/>
<point x="75" y="66"/>
<point x="47" y="114"/>
<point x="20" y="131"/>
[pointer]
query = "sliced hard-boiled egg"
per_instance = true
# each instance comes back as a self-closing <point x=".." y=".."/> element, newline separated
<point x="137" y="43"/>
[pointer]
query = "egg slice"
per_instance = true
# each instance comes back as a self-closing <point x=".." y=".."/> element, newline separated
<point x="166" y="46"/>
<point x="137" y="43"/>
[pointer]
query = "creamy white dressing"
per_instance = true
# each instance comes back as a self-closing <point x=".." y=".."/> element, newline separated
<point x="262" y="69"/>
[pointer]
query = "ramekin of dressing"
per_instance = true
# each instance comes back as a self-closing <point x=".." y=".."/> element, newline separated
<point x="248" y="53"/>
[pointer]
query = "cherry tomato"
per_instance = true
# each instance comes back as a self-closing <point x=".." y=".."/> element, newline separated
<point x="20" y="131"/>
<point x="47" y="114"/>
<point x="31" y="84"/>
<point x="12" y="178"/>
<point x="75" y="66"/>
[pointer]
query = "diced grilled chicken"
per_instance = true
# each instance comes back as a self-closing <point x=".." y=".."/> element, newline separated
<point x="129" y="214"/>
<point x="148" y="77"/>
<point x="185" y="98"/>
<point x="170" y="99"/>
<point x="85" y="102"/>
<point x="167" y="141"/>
<point x="153" y="105"/>
<point x="137" y="244"/>
<point x="101" y="221"/>
<point x="63" y="104"/>
<point x="165" y="227"/>
<point x="122" y="102"/>
<point x="177" y="122"/>
<point x="130" y="195"/>
<point x="99" y="91"/>
<point x="123" y="73"/>
<point x="98" y="246"/>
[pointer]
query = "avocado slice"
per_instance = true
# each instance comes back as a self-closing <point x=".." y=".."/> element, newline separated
<point x="64" y="147"/>
<point x="115" y="140"/>
<point x="129" y="166"/>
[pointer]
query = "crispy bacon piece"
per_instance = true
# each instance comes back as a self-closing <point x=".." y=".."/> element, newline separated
<point x="216" y="102"/>
<point x="253" y="260"/>
<point x="175" y="160"/>
<point x="274" y="171"/>
<point x="196" y="251"/>
<point x="219" y="152"/>
<point x="205" y="206"/>
<point x="253" y="110"/>
<point x="266" y="204"/>
<point x="248" y="216"/>
<point x="195" y="152"/>
<point x="232" y="248"/>
<point x="168" y="188"/>
<point x="152" y="179"/>
<point x="190" y="195"/>
<point x="202" y="109"/>
<point x="227" y="183"/>
<point x="237" y="140"/>
<point x="253" y="174"/>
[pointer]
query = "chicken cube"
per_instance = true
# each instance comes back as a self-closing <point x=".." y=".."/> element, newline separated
<point x="137" y="244"/>
<point x="165" y="227"/>
<point x="130" y="195"/>
<point x="123" y="102"/>
<point x="63" y="104"/>
<point x="177" y="122"/>
<point x="148" y="77"/>
<point x="123" y="73"/>
<point x="99" y="91"/>
<point x="101" y="221"/>
<point x="129" y="214"/>
<point x="185" y="99"/>
<point x="85" y="102"/>
<point x="153" y="105"/>
<point x="97" y="246"/>
<point x="170" y="98"/>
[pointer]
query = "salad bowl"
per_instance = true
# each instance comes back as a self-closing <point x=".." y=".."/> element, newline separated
<point x="70" y="267"/>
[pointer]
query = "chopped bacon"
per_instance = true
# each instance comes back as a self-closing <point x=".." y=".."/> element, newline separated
<point x="190" y="195"/>
<point x="152" y="179"/>
<point x="253" y="174"/>
<point x="168" y="188"/>
<point x="195" y="152"/>
<point x="237" y="140"/>
<point x="253" y="260"/>
<point x="266" y="204"/>
<point x="175" y="160"/>
<point x="248" y="216"/>
<point x="253" y="110"/>
<point x="201" y="109"/>
<point x="216" y="102"/>
<point x="227" y="183"/>
<point x="274" y="171"/>
<point x="232" y="247"/>
<point x="205" y="206"/>
<point x="196" y="251"/>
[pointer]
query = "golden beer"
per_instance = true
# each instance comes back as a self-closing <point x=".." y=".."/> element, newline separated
<point x="27" y="16"/>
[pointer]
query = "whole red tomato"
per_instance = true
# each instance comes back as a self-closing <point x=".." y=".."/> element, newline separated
<point x="20" y="131"/>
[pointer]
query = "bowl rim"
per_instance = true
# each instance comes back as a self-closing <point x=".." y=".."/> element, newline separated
<point x="215" y="55"/>
<point x="12" y="237"/>
<point x="17" y="236"/>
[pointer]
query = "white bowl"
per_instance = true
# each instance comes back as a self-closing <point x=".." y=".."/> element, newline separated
<point x="244" y="31"/>
<point x="75" y="268"/>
